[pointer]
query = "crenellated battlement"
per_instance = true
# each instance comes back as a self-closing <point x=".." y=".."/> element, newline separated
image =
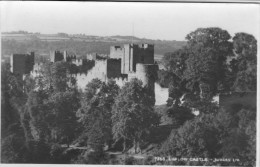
<point x="77" y="62"/>
<point x="120" y="81"/>
<point x="146" y="46"/>
<point x="116" y="48"/>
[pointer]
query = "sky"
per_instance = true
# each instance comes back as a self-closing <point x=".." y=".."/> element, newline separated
<point x="164" y="21"/>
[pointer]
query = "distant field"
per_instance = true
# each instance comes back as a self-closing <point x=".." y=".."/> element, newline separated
<point x="78" y="44"/>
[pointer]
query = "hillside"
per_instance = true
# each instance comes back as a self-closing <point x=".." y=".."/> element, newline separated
<point x="80" y="44"/>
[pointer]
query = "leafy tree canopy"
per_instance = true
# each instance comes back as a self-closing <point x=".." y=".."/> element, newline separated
<point x="132" y="112"/>
<point x="206" y="65"/>
<point x="95" y="112"/>
<point x="244" y="65"/>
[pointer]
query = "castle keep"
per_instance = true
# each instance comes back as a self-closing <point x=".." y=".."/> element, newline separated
<point x="132" y="54"/>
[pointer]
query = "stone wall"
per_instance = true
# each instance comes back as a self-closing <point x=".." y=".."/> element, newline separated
<point x="98" y="71"/>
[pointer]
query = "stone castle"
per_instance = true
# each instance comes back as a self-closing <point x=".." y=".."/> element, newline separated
<point x="124" y="63"/>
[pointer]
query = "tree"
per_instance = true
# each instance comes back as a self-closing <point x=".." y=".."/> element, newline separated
<point x="243" y="66"/>
<point x="238" y="133"/>
<point x="206" y="64"/>
<point x="228" y="133"/>
<point x="175" y="64"/>
<point x="200" y="68"/>
<point x="17" y="141"/>
<point x="51" y="107"/>
<point x="215" y="132"/>
<point x="56" y="77"/>
<point x="175" y="61"/>
<point x="132" y="113"/>
<point x="180" y="114"/>
<point x="11" y="88"/>
<point x="36" y="109"/>
<point x="62" y="107"/>
<point x="60" y="76"/>
<point x="12" y="134"/>
<point x="13" y="149"/>
<point x="28" y="84"/>
<point x="165" y="78"/>
<point x="95" y="112"/>
<point x="44" y="80"/>
<point x="196" y="138"/>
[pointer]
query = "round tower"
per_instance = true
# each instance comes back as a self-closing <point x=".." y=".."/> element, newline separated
<point x="147" y="73"/>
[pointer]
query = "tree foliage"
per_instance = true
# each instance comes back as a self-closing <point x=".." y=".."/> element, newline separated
<point x="206" y="64"/>
<point x="226" y="134"/>
<point x="17" y="142"/>
<point x="180" y="114"/>
<point x="56" y="76"/>
<point x="132" y="113"/>
<point x="243" y="67"/>
<point x="95" y="112"/>
<point x="11" y="89"/>
<point x="175" y="61"/>
<point x="52" y="107"/>
<point x="212" y="64"/>
<point x="62" y="107"/>
<point x="13" y="147"/>
<point x="238" y="133"/>
<point x="196" y="138"/>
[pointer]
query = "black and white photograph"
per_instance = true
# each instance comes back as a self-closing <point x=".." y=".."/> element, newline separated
<point x="129" y="83"/>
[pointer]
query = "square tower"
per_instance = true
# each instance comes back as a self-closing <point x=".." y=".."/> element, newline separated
<point x="56" y="56"/>
<point x="22" y="63"/>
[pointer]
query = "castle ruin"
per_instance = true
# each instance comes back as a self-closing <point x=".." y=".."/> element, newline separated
<point x="123" y="64"/>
